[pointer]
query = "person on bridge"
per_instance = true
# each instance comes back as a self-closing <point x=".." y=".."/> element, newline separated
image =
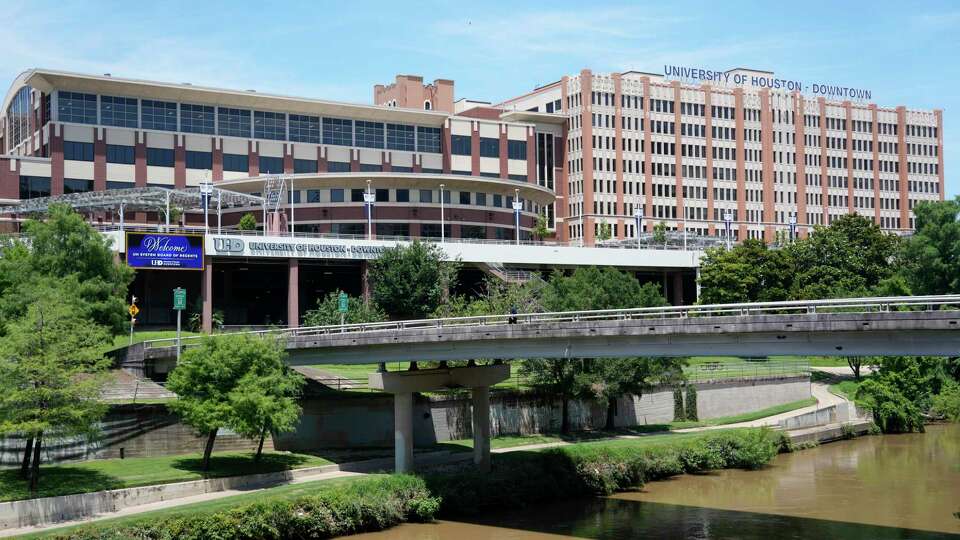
<point x="513" y="315"/>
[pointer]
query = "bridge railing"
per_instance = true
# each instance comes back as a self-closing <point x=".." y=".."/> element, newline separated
<point x="802" y="307"/>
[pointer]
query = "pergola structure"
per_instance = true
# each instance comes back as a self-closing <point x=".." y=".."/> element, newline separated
<point x="142" y="199"/>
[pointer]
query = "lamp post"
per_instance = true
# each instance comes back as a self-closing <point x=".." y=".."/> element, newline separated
<point x="517" y="206"/>
<point x="443" y="235"/>
<point x="368" y="199"/>
<point x="638" y="218"/>
<point x="727" y="221"/>
<point x="793" y="227"/>
<point x="206" y="188"/>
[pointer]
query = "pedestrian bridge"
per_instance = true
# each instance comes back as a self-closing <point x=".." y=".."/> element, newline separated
<point x="912" y="325"/>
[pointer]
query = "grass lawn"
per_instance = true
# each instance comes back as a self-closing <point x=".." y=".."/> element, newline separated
<point x="359" y="372"/>
<point x="847" y="389"/>
<point x="747" y="417"/>
<point x="289" y="491"/>
<point x="101" y="474"/>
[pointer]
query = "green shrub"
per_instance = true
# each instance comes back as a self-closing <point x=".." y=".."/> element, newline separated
<point x="369" y="504"/>
<point x="679" y="415"/>
<point x="691" y="403"/>
<point x="519" y="479"/>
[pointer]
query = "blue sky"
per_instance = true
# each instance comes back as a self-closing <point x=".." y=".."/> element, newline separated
<point x="905" y="53"/>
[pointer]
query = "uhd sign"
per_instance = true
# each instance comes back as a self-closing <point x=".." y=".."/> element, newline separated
<point x="282" y="248"/>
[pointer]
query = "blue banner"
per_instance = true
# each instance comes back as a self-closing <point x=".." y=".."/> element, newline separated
<point x="165" y="251"/>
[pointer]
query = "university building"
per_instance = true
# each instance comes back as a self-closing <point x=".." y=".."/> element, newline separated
<point x="605" y="159"/>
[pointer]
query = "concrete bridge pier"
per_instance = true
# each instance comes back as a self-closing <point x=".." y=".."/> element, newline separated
<point x="402" y="384"/>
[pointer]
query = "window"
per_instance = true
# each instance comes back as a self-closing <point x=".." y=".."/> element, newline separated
<point x="74" y="185"/>
<point x="305" y="129"/>
<point x="338" y="166"/>
<point x="464" y="197"/>
<point x="196" y="118"/>
<point x="236" y="162"/>
<point x="336" y="195"/>
<point x="313" y="195"/>
<point x="518" y="177"/>
<point x="233" y="122"/>
<point x="370" y="167"/>
<point x="356" y="195"/>
<point x="489" y="147"/>
<point x="426" y="196"/>
<point x="460" y="145"/>
<point x="301" y="166"/>
<point x="382" y="195"/>
<point x="400" y="137"/>
<point x="516" y="149"/>
<point x="369" y="134"/>
<point x="403" y="195"/>
<point x="161" y="115"/>
<point x="428" y="139"/>
<point x="199" y="160"/>
<point x="269" y="125"/>
<point x="338" y="131"/>
<point x="271" y="165"/>
<point x="497" y="200"/>
<point x="117" y="153"/>
<point x="18" y="116"/>
<point x="120" y="185"/>
<point x="481" y="199"/>
<point x="160" y="157"/>
<point x="432" y="230"/>
<point x="473" y="231"/>
<point x="76" y="107"/>
<point x="398" y="168"/>
<point x="426" y="105"/>
<point x="78" y="151"/>
<point x="32" y="187"/>
<point x="118" y="111"/>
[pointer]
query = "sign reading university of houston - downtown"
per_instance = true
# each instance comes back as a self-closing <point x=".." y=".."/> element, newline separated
<point x="696" y="74"/>
<point x="286" y="247"/>
<point x="162" y="251"/>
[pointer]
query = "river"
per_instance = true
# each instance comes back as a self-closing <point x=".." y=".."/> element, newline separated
<point x="890" y="486"/>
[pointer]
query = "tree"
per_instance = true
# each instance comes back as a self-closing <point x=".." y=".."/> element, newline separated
<point x="265" y="398"/>
<point x="497" y="298"/>
<point x="660" y="233"/>
<point x="902" y="391"/>
<point x="604" y="379"/>
<point x="691" y="412"/>
<point x="932" y="255"/>
<point x="327" y="311"/>
<point x="605" y="231"/>
<point x="50" y="366"/>
<point x="208" y="378"/>
<point x="65" y="247"/>
<point x="748" y="272"/>
<point x="411" y="282"/>
<point x="247" y="223"/>
<point x="855" y="363"/>
<point x="851" y="257"/>
<point x="540" y="229"/>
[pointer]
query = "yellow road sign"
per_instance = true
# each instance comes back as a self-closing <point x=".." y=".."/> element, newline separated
<point x="133" y="310"/>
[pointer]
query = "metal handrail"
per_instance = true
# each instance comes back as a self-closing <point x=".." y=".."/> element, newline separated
<point x="800" y="307"/>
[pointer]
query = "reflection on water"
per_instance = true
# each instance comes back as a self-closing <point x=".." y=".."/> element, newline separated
<point x="894" y="486"/>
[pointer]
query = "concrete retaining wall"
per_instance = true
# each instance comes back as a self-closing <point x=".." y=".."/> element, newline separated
<point x="335" y="420"/>
<point x="137" y="431"/>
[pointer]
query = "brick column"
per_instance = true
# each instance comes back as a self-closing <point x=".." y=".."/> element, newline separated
<point x="708" y="131"/>
<point x="902" y="151"/>
<point x="206" y="294"/>
<point x="56" y="159"/>
<point x="618" y="151"/>
<point x="504" y="152"/>
<point x="293" y="293"/>
<point x="876" y="163"/>
<point x="217" y="172"/>
<point x="738" y="114"/>
<point x="253" y="158"/>
<point x="801" y="164"/>
<point x="140" y="159"/>
<point x="848" y="114"/>
<point x="531" y="155"/>
<point x="445" y="142"/>
<point x="475" y="148"/>
<point x="99" y="159"/>
<point x="288" y="159"/>
<point x="179" y="162"/>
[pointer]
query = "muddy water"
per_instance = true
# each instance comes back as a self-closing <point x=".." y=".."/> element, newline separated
<point x="893" y="486"/>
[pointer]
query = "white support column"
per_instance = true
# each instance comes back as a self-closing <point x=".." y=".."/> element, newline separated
<point x="481" y="427"/>
<point x="403" y="432"/>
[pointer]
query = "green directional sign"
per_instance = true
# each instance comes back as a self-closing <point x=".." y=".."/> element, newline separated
<point x="179" y="299"/>
<point x="343" y="302"/>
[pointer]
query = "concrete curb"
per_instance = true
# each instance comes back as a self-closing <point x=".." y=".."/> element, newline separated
<point x="49" y="510"/>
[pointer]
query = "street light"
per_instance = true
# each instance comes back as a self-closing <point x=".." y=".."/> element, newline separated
<point x="443" y="235"/>
<point x="728" y="220"/>
<point x="793" y="226"/>
<point x="638" y="217"/>
<point x="368" y="199"/>
<point x="206" y="188"/>
<point x="517" y="206"/>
